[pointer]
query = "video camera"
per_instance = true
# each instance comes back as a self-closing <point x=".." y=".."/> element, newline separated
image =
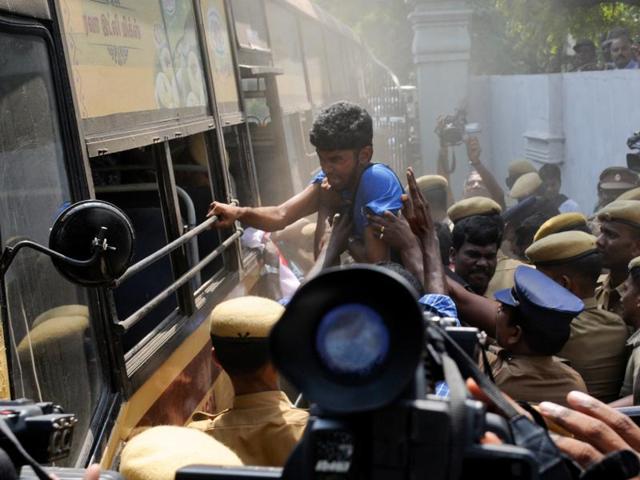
<point x="43" y="429"/>
<point x="453" y="128"/>
<point x="355" y="342"/>
<point x="633" y="159"/>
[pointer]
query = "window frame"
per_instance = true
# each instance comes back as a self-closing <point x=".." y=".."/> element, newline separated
<point x="75" y="174"/>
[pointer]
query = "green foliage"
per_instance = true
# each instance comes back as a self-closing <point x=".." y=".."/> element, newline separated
<point x="525" y="36"/>
<point x="383" y="27"/>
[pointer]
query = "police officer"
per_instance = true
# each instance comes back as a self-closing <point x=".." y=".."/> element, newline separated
<point x="532" y="325"/>
<point x="527" y="185"/>
<point x="516" y="169"/>
<point x="435" y="190"/>
<point x="619" y="243"/>
<point x="262" y="427"/>
<point x="613" y="182"/>
<point x="631" y="311"/>
<point x="158" y="452"/>
<point x="565" y="222"/>
<point x="596" y="348"/>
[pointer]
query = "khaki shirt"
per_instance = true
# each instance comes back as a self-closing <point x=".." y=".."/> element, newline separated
<point x="503" y="277"/>
<point x="534" y="379"/>
<point x="597" y="350"/>
<point x="261" y="428"/>
<point x="630" y="384"/>
<point x="609" y="298"/>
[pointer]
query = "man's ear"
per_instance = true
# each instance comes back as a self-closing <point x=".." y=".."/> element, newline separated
<point x="515" y="335"/>
<point x="365" y="154"/>
<point x="566" y="282"/>
<point x="635" y="249"/>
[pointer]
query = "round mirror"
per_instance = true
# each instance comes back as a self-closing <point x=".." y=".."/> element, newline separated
<point x="74" y="233"/>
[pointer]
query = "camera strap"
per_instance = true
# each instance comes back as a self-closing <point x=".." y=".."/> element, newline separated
<point x="15" y="443"/>
<point x="527" y="434"/>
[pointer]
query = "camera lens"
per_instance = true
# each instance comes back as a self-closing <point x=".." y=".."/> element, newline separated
<point x="352" y="339"/>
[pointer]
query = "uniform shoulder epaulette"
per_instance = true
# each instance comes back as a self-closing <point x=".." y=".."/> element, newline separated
<point x="200" y="416"/>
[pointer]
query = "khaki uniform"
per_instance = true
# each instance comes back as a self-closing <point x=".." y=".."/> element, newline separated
<point x="630" y="383"/>
<point x="503" y="277"/>
<point x="597" y="350"/>
<point x="261" y="428"/>
<point x="609" y="298"/>
<point x="534" y="378"/>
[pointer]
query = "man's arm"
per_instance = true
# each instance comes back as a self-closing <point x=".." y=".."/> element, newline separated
<point x="268" y="219"/>
<point x="477" y="311"/>
<point x="494" y="188"/>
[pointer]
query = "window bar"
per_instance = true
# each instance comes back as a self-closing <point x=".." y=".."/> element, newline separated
<point x="154" y="302"/>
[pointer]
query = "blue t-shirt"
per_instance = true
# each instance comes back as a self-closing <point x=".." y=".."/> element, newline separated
<point x="379" y="190"/>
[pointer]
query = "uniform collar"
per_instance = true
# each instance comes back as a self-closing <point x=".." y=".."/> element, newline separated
<point x="634" y="340"/>
<point x="590" y="303"/>
<point x="260" y="399"/>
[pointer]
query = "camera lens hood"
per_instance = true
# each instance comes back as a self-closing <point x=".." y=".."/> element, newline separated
<point x="363" y="297"/>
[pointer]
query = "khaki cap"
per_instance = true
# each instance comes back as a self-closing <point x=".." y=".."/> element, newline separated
<point x="623" y="211"/>
<point x="245" y="317"/>
<point x="561" y="247"/>
<point x="635" y="263"/>
<point x="561" y="223"/>
<point x="157" y="453"/>
<point x="633" y="194"/>
<point x="526" y="185"/>
<point x="520" y="167"/>
<point x="432" y="182"/>
<point x="308" y="230"/>
<point x="618" y="178"/>
<point x="473" y="206"/>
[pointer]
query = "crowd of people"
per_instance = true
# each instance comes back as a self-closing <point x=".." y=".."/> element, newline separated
<point x="618" y="51"/>
<point x="556" y="292"/>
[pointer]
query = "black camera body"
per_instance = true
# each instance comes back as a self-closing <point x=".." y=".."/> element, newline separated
<point x="43" y="429"/>
<point x="356" y="343"/>
<point x="633" y="159"/>
<point x="452" y="129"/>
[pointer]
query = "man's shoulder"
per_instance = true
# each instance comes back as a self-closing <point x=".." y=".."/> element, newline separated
<point x="296" y="416"/>
<point x="380" y="172"/>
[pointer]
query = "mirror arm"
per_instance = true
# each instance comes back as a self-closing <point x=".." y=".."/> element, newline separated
<point x="98" y="245"/>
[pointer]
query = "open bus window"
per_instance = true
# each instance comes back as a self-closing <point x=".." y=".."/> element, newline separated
<point x="129" y="180"/>
<point x="240" y="169"/>
<point x="190" y="160"/>
<point x="53" y="347"/>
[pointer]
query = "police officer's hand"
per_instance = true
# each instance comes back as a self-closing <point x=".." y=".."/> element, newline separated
<point x="597" y="429"/>
<point x="416" y="210"/>
<point x="394" y="230"/>
<point x="340" y="231"/>
<point x="227" y="214"/>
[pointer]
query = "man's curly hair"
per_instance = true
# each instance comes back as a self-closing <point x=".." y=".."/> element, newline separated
<point x="342" y="126"/>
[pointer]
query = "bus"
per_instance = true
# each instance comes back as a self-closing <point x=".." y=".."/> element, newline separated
<point x="158" y="107"/>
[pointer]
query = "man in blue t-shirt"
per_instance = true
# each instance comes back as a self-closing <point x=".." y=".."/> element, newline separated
<point x="348" y="182"/>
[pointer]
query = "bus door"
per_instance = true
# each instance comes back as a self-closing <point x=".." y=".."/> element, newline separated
<point x="54" y="336"/>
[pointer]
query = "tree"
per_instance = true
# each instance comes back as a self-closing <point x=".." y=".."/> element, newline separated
<point x="524" y="36"/>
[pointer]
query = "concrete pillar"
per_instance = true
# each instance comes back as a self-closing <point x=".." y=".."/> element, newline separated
<point x="441" y="51"/>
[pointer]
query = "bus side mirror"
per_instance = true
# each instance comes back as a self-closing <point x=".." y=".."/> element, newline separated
<point x="91" y="243"/>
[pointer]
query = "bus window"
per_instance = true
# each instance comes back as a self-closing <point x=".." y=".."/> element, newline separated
<point x="251" y="27"/>
<point x="190" y="160"/>
<point x="240" y="168"/>
<point x="129" y="180"/>
<point x="53" y="348"/>
<point x="287" y="54"/>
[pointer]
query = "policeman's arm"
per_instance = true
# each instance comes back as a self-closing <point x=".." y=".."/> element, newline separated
<point x="477" y="311"/>
<point x="494" y="188"/>
<point x="272" y="218"/>
<point x="623" y="402"/>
